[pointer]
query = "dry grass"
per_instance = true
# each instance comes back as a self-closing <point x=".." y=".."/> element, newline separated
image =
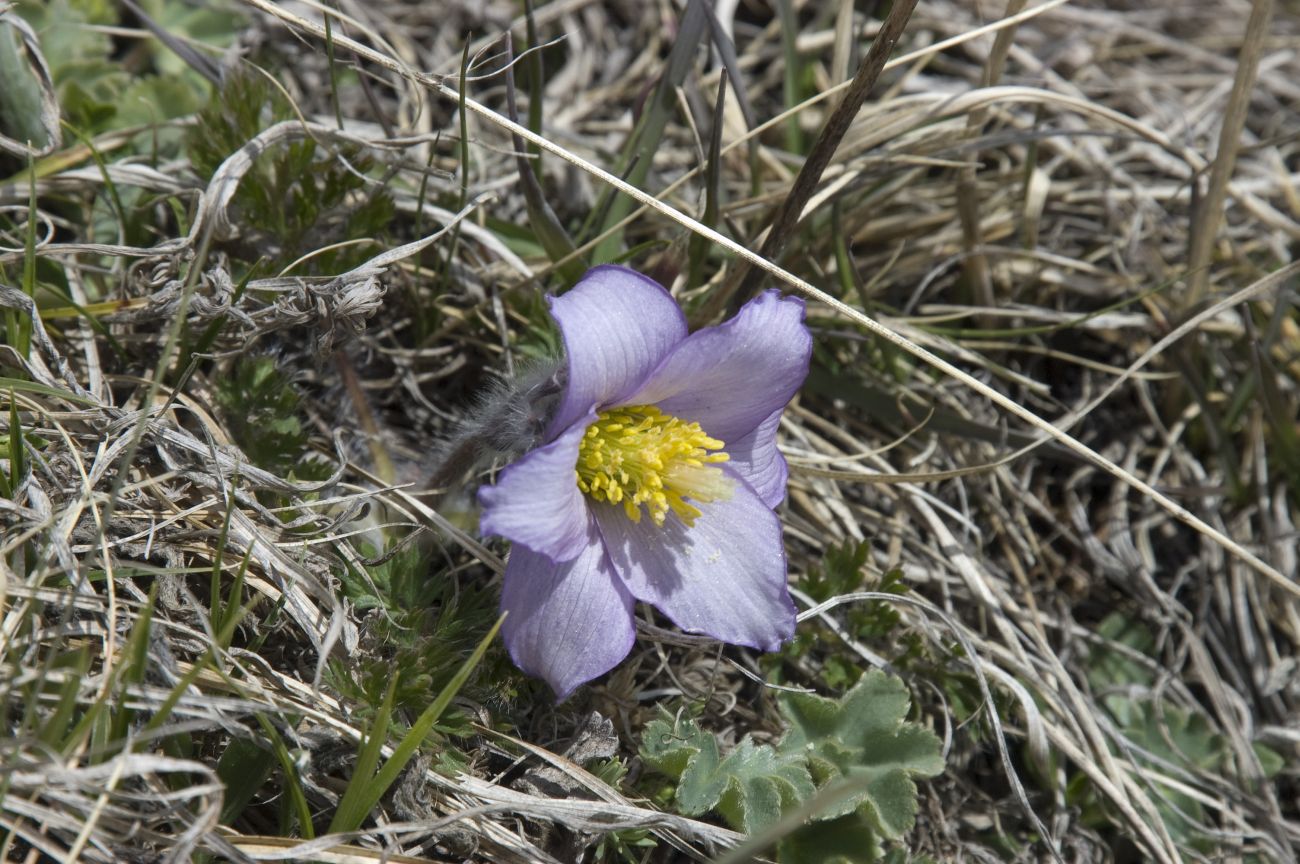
<point x="1046" y="387"/>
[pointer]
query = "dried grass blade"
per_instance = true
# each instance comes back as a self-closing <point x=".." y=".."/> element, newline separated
<point x="783" y="224"/>
<point x="545" y="224"/>
<point x="638" y="156"/>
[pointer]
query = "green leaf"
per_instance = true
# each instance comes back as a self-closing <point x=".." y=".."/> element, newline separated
<point x="668" y="744"/>
<point x="210" y="24"/>
<point x="67" y="41"/>
<point x="157" y="98"/>
<point x="1108" y="668"/>
<point x="751" y="787"/>
<point x="757" y="783"/>
<point x="846" y="840"/>
<point x="22" y="386"/>
<point x="14" y="441"/>
<point x="863" y="737"/>
<point x="20" y="91"/>
<point x="1269" y="759"/>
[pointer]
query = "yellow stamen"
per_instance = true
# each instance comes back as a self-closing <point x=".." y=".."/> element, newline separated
<point x="639" y="455"/>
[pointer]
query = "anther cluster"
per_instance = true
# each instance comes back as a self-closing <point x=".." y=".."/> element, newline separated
<point x="639" y="455"/>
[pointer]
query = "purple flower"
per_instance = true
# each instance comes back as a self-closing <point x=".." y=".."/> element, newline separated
<point x="672" y="437"/>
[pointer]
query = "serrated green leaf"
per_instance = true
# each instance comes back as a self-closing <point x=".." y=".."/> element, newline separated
<point x="864" y="737"/>
<point x="669" y="743"/>
<point x="875" y="707"/>
<point x="750" y="788"/>
<point x="846" y="840"/>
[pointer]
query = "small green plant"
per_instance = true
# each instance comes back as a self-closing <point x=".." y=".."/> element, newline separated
<point x="630" y="845"/>
<point x="297" y="199"/>
<point x="261" y="407"/>
<point x="371" y="780"/>
<point x="98" y="92"/>
<point x="420" y="622"/>
<point x="1160" y="735"/>
<point x="842" y="572"/>
<point x="861" y="739"/>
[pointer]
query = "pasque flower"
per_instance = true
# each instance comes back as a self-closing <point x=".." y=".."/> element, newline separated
<point x="656" y="480"/>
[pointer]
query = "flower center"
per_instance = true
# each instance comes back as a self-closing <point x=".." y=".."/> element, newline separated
<point x="640" y="455"/>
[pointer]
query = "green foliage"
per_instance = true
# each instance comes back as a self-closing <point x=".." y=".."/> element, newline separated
<point x="864" y="738"/>
<point x="20" y="92"/>
<point x="630" y="845"/>
<point x="11" y="475"/>
<point x="368" y="785"/>
<point x="422" y="623"/>
<point x="861" y="739"/>
<point x="97" y="91"/>
<point x="244" y="767"/>
<point x="103" y="87"/>
<point x="210" y="23"/>
<point x="873" y="621"/>
<point x="297" y="199"/>
<point x="845" y="840"/>
<point x="750" y="788"/>
<point x="1160" y="735"/>
<point x="261" y="408"/>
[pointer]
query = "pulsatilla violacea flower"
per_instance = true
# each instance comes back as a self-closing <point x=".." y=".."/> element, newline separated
<point x="657" y="480"/>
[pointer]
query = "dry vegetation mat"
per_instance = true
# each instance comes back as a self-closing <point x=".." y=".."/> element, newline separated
<point x="274" y="282"/>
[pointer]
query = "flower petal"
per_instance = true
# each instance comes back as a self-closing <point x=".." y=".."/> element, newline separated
<point x="536" y="501"/>
<point x="759" y="463"/>
<point x="617" y="326"/>
<point x="569" y="622"/>
<point x="732" y="377"/>
<point x="724" y="576"/>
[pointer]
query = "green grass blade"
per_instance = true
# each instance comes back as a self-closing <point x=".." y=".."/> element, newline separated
<point x="793" y="67"/>
<point x="295" y="796"/>
<point x="19" y="327"/>
<point x="371" y="792"/>
<point x="243" y="768"/>
<point x="54" y="728"/>
<point x="699" y="245"/>
<point x="9" y="484"/>
<point x="103" y="728"/>
<point x="136" y="663"/>
<point x="21" y="386"/>
<point x="352" y="809"/>
<point x="533" y="64"/>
